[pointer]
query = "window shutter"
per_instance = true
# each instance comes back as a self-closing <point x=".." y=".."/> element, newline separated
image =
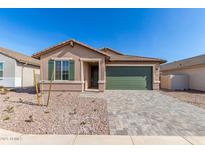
<point x="50" y="69"/>
<point x="72" y="69"/>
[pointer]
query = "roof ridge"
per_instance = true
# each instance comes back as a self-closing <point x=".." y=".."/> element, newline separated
<point x="111" y="50"/>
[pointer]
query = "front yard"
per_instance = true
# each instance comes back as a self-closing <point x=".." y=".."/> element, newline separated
<point x="67" y="113"/>
<point x="114" y="112"/>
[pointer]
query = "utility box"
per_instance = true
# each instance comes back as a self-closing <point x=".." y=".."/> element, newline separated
<point x="175" y="82"/>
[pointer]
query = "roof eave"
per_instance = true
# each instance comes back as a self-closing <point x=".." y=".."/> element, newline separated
<point x="124" y="60"/>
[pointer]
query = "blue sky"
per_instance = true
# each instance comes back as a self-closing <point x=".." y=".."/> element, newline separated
<point x="170" y="34"/>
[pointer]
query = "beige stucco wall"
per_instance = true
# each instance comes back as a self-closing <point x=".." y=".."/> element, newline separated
<point x="155" y="70"/>
<point x="196" y="76"/>
<point x="62" y="86"/>
<point x="76" y="53"/>
<point x="79" y="54"/>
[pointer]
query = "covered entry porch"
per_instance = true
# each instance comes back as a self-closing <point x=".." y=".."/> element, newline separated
<point x="92" y="74"/>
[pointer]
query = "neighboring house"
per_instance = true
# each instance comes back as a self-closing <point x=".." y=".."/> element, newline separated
<point x="78" y="67"/>
<point x="191" y="69"/>
<point x="16" y="70"/>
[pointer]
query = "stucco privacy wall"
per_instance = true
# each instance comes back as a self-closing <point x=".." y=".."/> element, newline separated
<point x="175" y="82"/>
<point x="8" y="71"/>
<point x="75" y="53"/>
<point x="196" y="76"/>
<point x="155" y="70"/>
<point x="165" y="82"/>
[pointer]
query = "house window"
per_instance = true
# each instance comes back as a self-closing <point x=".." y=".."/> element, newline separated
<point x="1" y="71"/>
<point x="61" y="69"/>
<point x="58" y="70"/>
<point x="66" y="70"/>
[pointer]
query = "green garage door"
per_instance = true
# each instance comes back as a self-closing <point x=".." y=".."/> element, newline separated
<point x="129" y="77"/>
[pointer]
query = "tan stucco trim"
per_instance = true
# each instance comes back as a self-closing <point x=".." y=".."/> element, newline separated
<point x="90" y="59"/>
<point x="61" y="81"/>
<point x="61" y="58"/>
<point x="82" y="60"/>
<point x="130" y="65"/>
<point x="81" y="71"/>
<point x="101" y="81"/>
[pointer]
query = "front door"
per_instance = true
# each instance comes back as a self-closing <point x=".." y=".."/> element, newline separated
<point x="94" y="76"/>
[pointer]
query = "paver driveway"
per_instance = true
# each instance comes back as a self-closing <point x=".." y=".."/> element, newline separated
<point x="151" y="113"/>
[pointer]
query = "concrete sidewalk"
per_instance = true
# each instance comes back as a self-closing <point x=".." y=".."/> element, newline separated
<point x="99" y="140"/>
<point x="9" y="137"/>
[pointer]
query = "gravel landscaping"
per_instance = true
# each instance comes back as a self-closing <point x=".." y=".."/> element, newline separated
<point x="67" y="113"/>
<point x="193" y="97"/>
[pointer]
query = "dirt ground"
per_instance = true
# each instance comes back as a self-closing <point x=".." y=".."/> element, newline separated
<point x="67" y="113"/>
<point x="193" y="97"/>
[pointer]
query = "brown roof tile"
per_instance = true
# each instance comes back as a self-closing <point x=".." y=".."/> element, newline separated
<point x="104" y="50"/>
<point x="134" y="58"/>
<point x="19" y="57"/>
<point x="118" y="57"/>
<point x="184" y="63"/>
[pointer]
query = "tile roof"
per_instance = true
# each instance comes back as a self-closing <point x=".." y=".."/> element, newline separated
<point x="184" y="63"/>
<point x="118" y="57"/>
<point x="104" y="50"/>
<point x="68" y="42"/>
<point x="19" y="57"/>
<point x="128" y="58"/>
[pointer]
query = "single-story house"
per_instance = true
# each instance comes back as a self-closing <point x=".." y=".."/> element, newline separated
<point x="16" y="69"/>
<point x="190" y="71"/>
<point x="75" y="66"/>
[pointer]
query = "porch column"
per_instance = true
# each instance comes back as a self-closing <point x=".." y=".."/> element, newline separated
<point x="81" y="73"/>
<point x="99" y="70"/>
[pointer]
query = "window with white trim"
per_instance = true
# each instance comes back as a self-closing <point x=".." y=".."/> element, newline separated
<point x="1" y="70"/>
<point x="61" y="70"/>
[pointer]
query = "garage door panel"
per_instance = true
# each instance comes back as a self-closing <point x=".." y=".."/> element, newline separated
<point x="130" y="78"/>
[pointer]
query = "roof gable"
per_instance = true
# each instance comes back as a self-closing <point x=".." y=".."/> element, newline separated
<point x="70" y="42"/>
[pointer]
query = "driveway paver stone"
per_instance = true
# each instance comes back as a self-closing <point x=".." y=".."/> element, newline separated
<point x="150" y="113"/>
